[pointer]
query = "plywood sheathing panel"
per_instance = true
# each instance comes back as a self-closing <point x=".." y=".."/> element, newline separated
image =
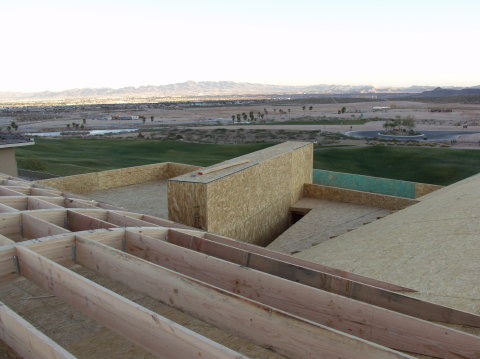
<point x="326" y="220"/>
<point x="432" y="246"/>
<point x="422" y="189"/>
<point x="248" y="202"/>
<point x="187" y="203"/>
<point x="96" y="181"/>
<point x="356" y="197"/>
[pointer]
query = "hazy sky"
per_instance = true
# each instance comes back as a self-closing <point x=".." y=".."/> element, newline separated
<point x="54" y="45"/>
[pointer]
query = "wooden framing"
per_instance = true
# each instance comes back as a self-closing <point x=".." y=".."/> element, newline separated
<point x="259" y="323"/>
<point x="26" y="340"/>
<point x="149" y="330"/>
<point x="294" y="307"/>
<point x="360" y="319"/>
<point x="317" y="279"/>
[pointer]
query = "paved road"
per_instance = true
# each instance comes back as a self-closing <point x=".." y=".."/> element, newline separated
<point x="425" y="135"/>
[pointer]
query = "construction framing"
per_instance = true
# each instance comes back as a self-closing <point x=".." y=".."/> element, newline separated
<point x="293" y="307"/>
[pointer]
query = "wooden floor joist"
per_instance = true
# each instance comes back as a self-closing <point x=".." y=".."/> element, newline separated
<point x="300" y="262"/>
<point x="381" y="326"/>
<point x="157" y="334"/>
<point x="266" y="326"/>
<point x="26" y="340"/>
<point x="331" y="283"/>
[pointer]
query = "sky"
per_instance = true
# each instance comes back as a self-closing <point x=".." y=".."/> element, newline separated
<point x="57" y="45"/>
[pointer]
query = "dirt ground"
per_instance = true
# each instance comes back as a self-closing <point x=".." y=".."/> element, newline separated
<point x="460" y="114"/>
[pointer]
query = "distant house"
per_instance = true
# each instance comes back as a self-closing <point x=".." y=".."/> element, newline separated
<point x="8" y="142"/>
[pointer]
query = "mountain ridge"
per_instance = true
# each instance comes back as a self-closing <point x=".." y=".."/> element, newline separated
<point x="220" y="88"/>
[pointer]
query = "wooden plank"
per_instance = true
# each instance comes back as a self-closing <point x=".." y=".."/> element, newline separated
<point x="261" y="324"/>
<point x="165" y="222"/>
<point x="379" y="325"/>
<point x="44" y="192"/>
<point x="219" y="168"/>
<point x="5" y="241"/>
<point x="7" y="209"/>
<point x="55" y="216"/>
<point x="306" y="264"/>
<point x="59" y="248"/>
<point x="11" y="225"/>
<point x="35" y="203"/>
<point x="156" y="334"/>
<point x="34" y="227"/>
<point x="8" y="271"/>
<point x="5" y="191"/>
<point x="125" y="221"/>
<point x="358" y="291"/>
<point x="80" y="222"/>
<point x="11" y="182"/>
<point x="17" y="202"/>
<point x="26" y="340"/>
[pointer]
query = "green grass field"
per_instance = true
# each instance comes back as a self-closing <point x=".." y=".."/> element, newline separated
<point x="428" y="165"/>
<point x="72" y="156"/>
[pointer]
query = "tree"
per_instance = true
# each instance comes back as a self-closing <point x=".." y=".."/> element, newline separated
<point x="252" y="116"/>
<point x="310" y="108"/>
<point x="84" y="121"/>
<point x="245" y="117"/>
<point x="238" y="117"/>
<point x="344" y="109"/>
<point x="233" y="118"/>
<point x="152" y="118"/>
<point x="68" y="125"/>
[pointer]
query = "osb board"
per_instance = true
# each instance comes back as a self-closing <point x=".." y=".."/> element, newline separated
<point x="177" y="169"/>
<point x="253" y="159"/>
<point x="263" y="226"/>
<point x="326" y="220"/>
<point x="356" y="197"/>
<point x="252" y="205"/>
<point x="187" y="204"/>
<point x="432" y="246"/>
<point x="96" y="181"/>
<point x="422" y="189"/>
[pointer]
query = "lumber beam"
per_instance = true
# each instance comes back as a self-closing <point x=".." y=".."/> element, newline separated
<point x="5" y="241"/>
<point x="34" y="227"/>
<point x="122" y="220"/>
<point x="345" y="287"/>
<point x="379" y="325"/>
<point x="7" y="209"/>
<point x="26" y="340"/>
<point x="5" y="191"/>
<point x="156" y="334"/>
<point x="36" y="203"/>
<point x="265" y="326"/>
<point x="79" y="222"/>
<point x="306" y="264"/>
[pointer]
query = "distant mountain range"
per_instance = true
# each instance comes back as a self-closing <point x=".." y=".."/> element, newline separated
<point x="230" y="88"/>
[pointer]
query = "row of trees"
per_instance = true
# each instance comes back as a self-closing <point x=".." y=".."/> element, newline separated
<point x="400" y="125"/>
<point x="262" y="115"/>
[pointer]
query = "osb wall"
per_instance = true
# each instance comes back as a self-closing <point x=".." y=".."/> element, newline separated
<point x="8" y="163"/>
<point x="250" y="204"/>
<point x="356" y="197"/>
<point x="421" y="189"/>
<point x="96" y="181"/>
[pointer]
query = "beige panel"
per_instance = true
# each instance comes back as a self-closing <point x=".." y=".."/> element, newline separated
<point x="249" y="202"/>
<point x="96" y="181"/>
<point x="357" y="197"/>
<point x="8" y="163"/>
<point x="421" y="189"/>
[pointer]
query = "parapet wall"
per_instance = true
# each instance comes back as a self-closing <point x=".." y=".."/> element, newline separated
<point x="386" y="186"/>
<point x="249" y="202"/>
<point x="97" y="181"/>
<point x="336" y="194"/>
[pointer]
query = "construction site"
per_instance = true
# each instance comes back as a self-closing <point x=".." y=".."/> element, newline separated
<point x="260" y="256"/>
